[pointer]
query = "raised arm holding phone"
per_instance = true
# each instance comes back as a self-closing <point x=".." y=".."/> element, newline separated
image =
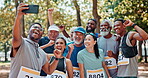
<point x="25" y="51"/>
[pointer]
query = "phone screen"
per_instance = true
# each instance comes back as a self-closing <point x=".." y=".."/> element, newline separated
<point x="32" y="9"/>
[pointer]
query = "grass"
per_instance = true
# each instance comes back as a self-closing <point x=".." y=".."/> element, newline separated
<point x="4" y="63"/>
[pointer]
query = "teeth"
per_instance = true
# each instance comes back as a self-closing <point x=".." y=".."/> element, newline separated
<point x="36" y="32"/>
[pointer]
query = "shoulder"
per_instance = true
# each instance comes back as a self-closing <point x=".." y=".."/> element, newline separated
<point x="82" y="51"/>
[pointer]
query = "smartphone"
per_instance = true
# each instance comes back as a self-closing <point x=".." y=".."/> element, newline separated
<point x="32" y="9"/>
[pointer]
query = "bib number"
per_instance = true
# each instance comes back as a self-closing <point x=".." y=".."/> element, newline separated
<point x="57" y="74"/>
<point x="28" y="73"/>
<point x="110" y="62"/>
<point x="96" y="73"/>
<point x="76" y="72"/>
<point x="122" y="60"/>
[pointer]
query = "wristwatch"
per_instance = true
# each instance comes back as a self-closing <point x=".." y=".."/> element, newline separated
<point x="57" y="58"/>
<point x="134" y="25"/>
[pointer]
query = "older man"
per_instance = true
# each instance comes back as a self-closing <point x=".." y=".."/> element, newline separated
<point x="47" y="42"/>
<point x="108" y="43"/>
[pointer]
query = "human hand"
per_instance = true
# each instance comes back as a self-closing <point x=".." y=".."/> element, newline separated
<point x="110" y="53"/>
<point x="62" y="27"/>
<point x="22" y="7"/>
<point x="50" y="43"/>
<point x="71" y="47"/>
<point x="57" y="53"/>
<point x="128" y="23"/>
<point x="50" y="10"/>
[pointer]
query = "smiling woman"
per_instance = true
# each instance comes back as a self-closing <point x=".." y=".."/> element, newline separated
<point x="64" y="66"/>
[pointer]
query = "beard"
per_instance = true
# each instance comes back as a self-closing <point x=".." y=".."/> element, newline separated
<point x="104" y="33"/>
<point x="89" y="29"/>
<point x="77" y="42"/>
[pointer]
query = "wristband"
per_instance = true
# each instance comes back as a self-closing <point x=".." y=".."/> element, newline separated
<point x="134" y="25"/>
<point x="57" y="58"/>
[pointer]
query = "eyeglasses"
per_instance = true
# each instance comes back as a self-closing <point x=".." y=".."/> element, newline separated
<point x="37" y="27"/>
<point x="90" y="23"/>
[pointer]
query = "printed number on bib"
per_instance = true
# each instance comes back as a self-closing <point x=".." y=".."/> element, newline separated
<point x="57" y="74"/>
<point x="76" y="72"/>
<point x="110" y="62"/>
<point x="28" y="73"/>
<point x="122" y="60"/>
<point x="96" y="73"/>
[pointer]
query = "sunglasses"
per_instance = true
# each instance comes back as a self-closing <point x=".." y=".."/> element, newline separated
<point x="37" y="27"/>
<point x="90" y="23"/>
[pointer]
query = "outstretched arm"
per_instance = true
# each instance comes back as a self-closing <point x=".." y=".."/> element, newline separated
<point x="17" y="39"/>
<point x="51" y="22"/>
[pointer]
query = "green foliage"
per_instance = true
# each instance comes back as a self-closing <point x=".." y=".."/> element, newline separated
<point x="135" y="10"/>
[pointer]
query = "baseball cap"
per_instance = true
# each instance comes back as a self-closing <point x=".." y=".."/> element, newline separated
<point x="53" y="27"/>
<point x="80" y="29"/>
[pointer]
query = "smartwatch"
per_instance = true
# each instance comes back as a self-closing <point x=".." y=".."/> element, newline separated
<point x="134" y="25"/>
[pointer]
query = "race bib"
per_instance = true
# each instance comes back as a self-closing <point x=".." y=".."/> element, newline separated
<point x="96" y="73"/>
<point x="57" y="74"/>
<point x="28" y="73"/>
<point x="110" y="62"/>
<point x="122" y="60"/>
<point x="76" y="72"/>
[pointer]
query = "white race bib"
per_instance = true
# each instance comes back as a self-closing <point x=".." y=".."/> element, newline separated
<point x="96" y="73"/>
<point x="28" y="73"/>
<point x="57" y="74"/>
<point x="110" y="62"/>
<point x="122" y="60"/>
<point x="76" y="72"/>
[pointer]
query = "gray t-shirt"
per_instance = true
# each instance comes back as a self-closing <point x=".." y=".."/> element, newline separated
<point x="89" y="60"/>
<point x="28" y="55"/>
<point x="109" y="44"/>
<point x="130" y="70"/>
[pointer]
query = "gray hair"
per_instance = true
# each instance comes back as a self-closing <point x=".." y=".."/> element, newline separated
<point x="107" y="21"/>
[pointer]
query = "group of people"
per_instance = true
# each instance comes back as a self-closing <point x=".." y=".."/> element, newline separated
<point x="82" y="54"/>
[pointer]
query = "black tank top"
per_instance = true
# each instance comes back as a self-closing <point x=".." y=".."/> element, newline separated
<point x="61" y="64"/>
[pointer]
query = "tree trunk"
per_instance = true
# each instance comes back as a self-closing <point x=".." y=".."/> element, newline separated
<point x="47" y="3"/>
<point x="145" y="51"/>
<point x="6" y="59"/>
<point x="78" y="12"/>
<point x="95" y="15"/>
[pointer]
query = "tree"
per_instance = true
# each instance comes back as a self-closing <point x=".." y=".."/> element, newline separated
<point x="78" y="12"/>
<point x="95" y="14"/>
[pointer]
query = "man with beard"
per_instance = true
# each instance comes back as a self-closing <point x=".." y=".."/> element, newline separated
<point x="127" y="59"/>
<point x="25" y="51"/>
<point x="108" y="43"/>
<point x="75" y="47"/>
<point x="91" y="26"/>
